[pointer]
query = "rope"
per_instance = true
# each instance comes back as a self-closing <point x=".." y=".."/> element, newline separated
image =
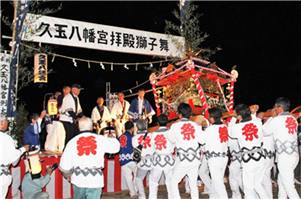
<point x="98" y="62"/>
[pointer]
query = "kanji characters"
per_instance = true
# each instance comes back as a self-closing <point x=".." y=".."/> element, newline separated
<point x="123" y="140"/>
<point x="250" y="131"/>
<point x="86" y="145"/>
<point x="291" y="125"/>
<point x="146" y="142"/>
<point x="223" y="134"/>
<point x="188" y="131"/>
<point x="160" y="141"/>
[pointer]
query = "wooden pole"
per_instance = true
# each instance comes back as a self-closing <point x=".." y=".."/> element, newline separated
<point x="14" y="24"/>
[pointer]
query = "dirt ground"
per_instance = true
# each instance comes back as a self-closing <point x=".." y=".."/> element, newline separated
<point x="162" y="194"/>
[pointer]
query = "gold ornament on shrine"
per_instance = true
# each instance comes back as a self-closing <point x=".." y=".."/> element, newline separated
<point x="40" y="68"/>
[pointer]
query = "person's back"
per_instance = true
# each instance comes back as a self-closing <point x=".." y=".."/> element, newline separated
<point x="217" y="140"/>
<point x="86" y="154"/>
<point x="249" y="134"/>
<point x="185" y="135"/>
<point x="127" y="163"/>
<point x="144" y="165"/>
<point x="83" y="160"/>
<point x="32" y="188"/>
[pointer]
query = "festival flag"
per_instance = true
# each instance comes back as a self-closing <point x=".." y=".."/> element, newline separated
<point x="183" y="5"/>
<point x="5" y="59"/>
<point x="22" y="9"/>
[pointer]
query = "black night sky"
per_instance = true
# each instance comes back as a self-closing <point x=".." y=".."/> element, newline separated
<point x="262" y="38"/>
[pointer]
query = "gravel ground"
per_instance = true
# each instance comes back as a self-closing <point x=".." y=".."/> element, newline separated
<point x="162" y="194"/>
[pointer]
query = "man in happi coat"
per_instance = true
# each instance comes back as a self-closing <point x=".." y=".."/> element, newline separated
<point x="100" y="115"/>
<point x="215" y="141"/>
<point x="163" y="160"/>
<point x="83" y="160"/>
<point x="120" y="113"/>
<point x="9" y="154"/>
<point x="185" y="134"/>
<point x="126" y="161"/>
<point x="140" y="109"/>
<point x="249" y="135"/>
<point x="283" y="127"/>
<point x="145" y="164"/>
<point x="71" y="111"/>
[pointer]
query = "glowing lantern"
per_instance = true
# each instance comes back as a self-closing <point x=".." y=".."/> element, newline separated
<point x="33" y="164"/>
<point x="40" y="68"/>
<point x="52" y="106"/>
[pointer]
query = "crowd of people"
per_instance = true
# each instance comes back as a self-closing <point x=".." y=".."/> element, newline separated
<point x="249" y="143"/>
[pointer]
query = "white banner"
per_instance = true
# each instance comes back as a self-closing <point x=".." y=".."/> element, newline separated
<point x="67" y="32"/>
<point x="5" y="60"/>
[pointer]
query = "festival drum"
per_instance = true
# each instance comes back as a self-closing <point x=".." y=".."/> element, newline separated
<point x="33" y="163"/>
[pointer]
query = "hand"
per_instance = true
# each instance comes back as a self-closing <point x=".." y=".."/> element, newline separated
<point x="254" y="109"/>
<point x="26" y="147"/>
<point x="150" y="120"/>
<point x="43" y="113"/>
<point x="273" y="113"/>
<point x="260" y="115"/>
<point x="49" y="170"/>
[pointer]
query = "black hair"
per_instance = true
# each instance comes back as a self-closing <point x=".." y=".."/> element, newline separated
<point x="215" y="113"/>
<point x="141" y="125"/>
<point x="33" y="116"/>
<point x="284" y="103"/>
<point x="184" y="109"/>
<point x="243" y="110"/>
<point x="141" y="89"/>
<point x="162" y="120"/>
<point x="128" y="125"/>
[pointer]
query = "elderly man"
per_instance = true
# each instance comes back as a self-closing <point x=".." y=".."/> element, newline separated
<point x="119" y="113"/>
<point x="9" y="154"/>
<point x="71" y="111"/>
<point x="283" y="127"/>
<point x="83" y="160"/>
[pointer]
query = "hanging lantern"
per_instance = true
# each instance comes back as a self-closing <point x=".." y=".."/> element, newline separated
<point x="40" y="68"/>
<point x="152" y="76"/>
<point x="33" y="163"/>
<point x="234" y="72"/>
<point x="52" y="106"/>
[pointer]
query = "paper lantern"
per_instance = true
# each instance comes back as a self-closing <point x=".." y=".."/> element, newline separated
<point x="52" y="106"/>
<point x="33" y="164"/>
<point x="40" y="68"/>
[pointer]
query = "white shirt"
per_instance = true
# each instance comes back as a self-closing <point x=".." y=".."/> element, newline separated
<point x="163" y="158"/>
<point x="284" y="130"/>
<point x="8" y="151"/>
<point x="69" y="105"/>
<point x="117" y="109"/>
<point x="140" y="105"/>
<point x="185" y="134"/>
<point x="215" y="138"/>
<point x="85" y="153"/>
<point x="147" y="150"/>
